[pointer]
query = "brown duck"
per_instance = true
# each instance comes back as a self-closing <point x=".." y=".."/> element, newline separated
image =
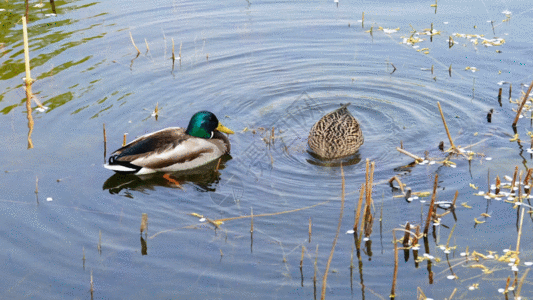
<point x="336" y="134"/>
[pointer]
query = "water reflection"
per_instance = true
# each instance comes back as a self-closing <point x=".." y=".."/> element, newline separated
<point x="345" y="161"/>
<point x="205" y="178"/>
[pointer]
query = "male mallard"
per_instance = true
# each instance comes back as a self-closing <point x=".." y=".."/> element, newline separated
<point x="336" y="135"/>
<point x="174" y="149"/>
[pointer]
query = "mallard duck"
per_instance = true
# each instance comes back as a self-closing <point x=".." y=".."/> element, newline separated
<point x="174" y="148"/>
<point x="336" y="134"/>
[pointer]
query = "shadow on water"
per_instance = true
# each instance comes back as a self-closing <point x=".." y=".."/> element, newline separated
<point x="206" y="178"/>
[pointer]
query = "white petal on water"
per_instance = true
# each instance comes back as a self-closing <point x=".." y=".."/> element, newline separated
<point x="350" y="231"/>
<point x="451" y="277"/>
<point x="202" y="220"/>
<point x="488" y="158"/>
<point x="49" y="199"/>
<point x="39" y="5"/>
<point x="528" y="263"/>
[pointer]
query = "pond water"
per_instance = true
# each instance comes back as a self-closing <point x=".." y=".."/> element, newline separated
<point x="259" y="65"/>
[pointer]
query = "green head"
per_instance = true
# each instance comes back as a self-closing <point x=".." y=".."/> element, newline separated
<point x="203" y="124"/>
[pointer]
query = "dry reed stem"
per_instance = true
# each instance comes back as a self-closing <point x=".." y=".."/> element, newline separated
<point x="395" y="273"/>
<point x="369" y="201"/>
<point x="406" y="239"/>
<point x="147" y="48"/>
<point x="124" y="140"/>
<point x="514" y="179"/>
<point x="507" y="284"/>
<point x="99" y="247"/>
<point x="252" y="220"/>
<point x="450" y="236"/>
<point x="453" y="293"/>
<point x="455" y="198"/>
<point x="395" y="178"/>
<point x="28" y="81"/>
<point x="522" y="104"/>
<point x="173" y="56"/>
<point x="181" y="43"/>
<point x="105" y="142"/>
<point x="430" y="212"/>
<point x="330" y="258"/>
<point x="92" y="283"/>
<point x="316" y="267"/>
<point x="218" y="164"/>
<point x="510" y="90"/>
<point x="144" y="223"/>
<point x="528" y="177"/>
<point x="417" y="234"/>
<point x="519" y="287"/>
<point x="446" y="126"/>
<point x="133" y="42"/>
<point x="520" y="230"/>
<point x="359" y="205"/>
<point x="302" y="258"/>
<point x="310" y="229"/>
<point x="273" y="214"/>
<point x="417" y="158"/>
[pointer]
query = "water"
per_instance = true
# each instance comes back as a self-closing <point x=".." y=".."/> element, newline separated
<point x="256" y="65"/>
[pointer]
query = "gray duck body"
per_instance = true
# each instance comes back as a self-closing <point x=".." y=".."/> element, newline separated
<point x="335" y="135"/>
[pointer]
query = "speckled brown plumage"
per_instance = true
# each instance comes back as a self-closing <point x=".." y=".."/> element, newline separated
<point x="336" y="134"/>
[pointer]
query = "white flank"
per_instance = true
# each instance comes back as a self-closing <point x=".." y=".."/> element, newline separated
<point x="118" y="168"/>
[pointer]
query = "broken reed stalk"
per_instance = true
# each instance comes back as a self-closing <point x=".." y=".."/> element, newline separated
<point x="446" y="126"/>
<point x="510" y="90"/>
<point x="395" y="273"/>
<point x="28" y="81"/>
<point x="431" y="205"/>
<point x="363" y="21"/>
<point x="133" y="42"/>
<point x="359" y="205"/>
<point x="522" y="104"/>
<point x="124" y="140"/>
<point x="147" y="48"/>
<point x="181" y="43"/>
<point x="417" y="158"/>
<point x="330" y="258"/>
<point x="144" y="223"/>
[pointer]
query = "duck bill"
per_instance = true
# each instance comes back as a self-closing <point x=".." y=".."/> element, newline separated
<point x="224" y="129"/>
